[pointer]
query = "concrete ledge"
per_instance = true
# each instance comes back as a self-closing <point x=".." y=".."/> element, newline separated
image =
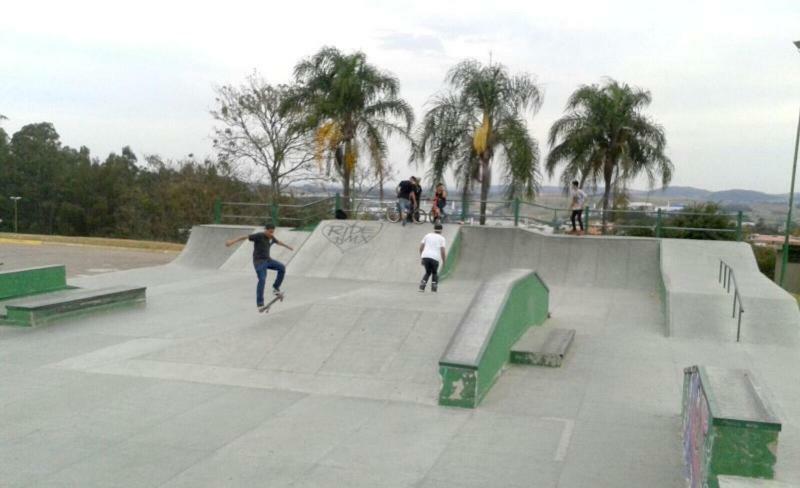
<point x="501" y="311"/>
<point x="40" y="310"/>
<point x="542" y="347"/>
<point x="739" y="482"/>
<point x="729" y="427"/>
<point x="30" y="281"/>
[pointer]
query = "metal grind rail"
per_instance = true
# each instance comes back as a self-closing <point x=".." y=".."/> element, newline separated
<point x="726" y="276"/>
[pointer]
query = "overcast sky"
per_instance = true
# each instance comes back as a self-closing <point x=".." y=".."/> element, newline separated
<point x="724" y="75"/>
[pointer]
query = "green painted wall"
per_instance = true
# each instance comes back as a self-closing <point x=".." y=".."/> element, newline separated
<point x="714" y="445"/>
<point x="23" y="282"/>
<point x="526" y="304"/>
<point x="459" y="386"/>
<point x="452" y="257"/>
<point x="743" y="452"/>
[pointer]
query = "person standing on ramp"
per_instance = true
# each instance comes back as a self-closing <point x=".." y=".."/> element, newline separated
<point x="432" y="251"/>
<point x="262" y="241"/>
<point x="577" y="200"/>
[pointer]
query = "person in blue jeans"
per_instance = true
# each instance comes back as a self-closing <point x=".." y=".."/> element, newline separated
<point x="262" y="241"/>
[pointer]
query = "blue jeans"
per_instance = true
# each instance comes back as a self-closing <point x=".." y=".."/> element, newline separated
<point x="261" y="271"/>
<point x="404" y="206"/>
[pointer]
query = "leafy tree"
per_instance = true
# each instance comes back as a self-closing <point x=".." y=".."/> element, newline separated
<point x="606" y="136"/>
<point x="765" y="258"/>
<point x="482" y="116"/>
<point x="258" y="128"/>
<point x="352" y="106"/>
<point x="700" y="216"/>
<point x="36" y="175"/>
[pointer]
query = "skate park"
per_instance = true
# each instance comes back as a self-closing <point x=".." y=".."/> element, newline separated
<point x="341" y="384"/>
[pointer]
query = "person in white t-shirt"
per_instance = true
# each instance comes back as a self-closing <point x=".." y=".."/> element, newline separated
<point x="578" y="199"/>
<point x="432" y="252"/>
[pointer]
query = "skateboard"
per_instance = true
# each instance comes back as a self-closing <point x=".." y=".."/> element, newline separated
<point x="269" y="304"/>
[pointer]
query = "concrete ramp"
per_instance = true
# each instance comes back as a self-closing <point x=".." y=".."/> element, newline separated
<point x="206" y="246"/>
<point x="375" y="251"/>
<point x="699" y="307"/>
<point x="242" y="257"/>
<point x="604" y="262"/>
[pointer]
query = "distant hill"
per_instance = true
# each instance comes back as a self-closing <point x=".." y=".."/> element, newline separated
<point x="684" y="192"/>
<point x="746" y="196"/>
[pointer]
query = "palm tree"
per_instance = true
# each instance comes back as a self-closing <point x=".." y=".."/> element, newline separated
<point x="483" y="115"/>
<point x="605" y="134"/>
<point x="350" y="104"/>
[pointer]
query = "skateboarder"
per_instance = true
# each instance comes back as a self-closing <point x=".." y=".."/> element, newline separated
<point x="262" y="262"/>
<point x="432" y="252"/>
<point x="577" y="199"/>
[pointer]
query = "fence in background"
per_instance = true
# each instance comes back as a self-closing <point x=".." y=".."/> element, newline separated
<point x="655" y="223"/>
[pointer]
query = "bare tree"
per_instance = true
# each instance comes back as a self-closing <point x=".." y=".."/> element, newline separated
<point x="259" y="132"/>
<point x="365" y="180"/>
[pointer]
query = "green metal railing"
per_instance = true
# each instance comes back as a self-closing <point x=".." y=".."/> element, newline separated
<point x="291" y="215"/>
<point x="515" y="213"/>
<point x="656" y="223"/>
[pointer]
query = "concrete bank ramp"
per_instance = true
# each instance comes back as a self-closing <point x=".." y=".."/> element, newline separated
<point x="603" y="262"/>
<point x="364" y="250"/>
<point x="206" y="246"/>
<point x="699" y="307"/>
<point x="242" y="257"/>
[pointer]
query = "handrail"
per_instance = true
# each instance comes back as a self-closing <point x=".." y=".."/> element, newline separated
<point x="726" y="276"/>
<point x="289" y="205"/>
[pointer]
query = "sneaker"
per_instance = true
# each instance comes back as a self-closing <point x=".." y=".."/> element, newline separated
<point x="261" y="308"/>
<point x="276" y="292"/>
<point x="422" y="287"/>
<point x="434" y="287"/>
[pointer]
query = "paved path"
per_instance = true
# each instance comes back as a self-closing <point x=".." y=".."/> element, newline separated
<point x="80" y="260"/>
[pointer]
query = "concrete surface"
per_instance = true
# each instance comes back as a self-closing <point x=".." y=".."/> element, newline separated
<point x="602" y="262"/>
<point x="80" y="260"/>
<point x="337" y="385"/>
<point x="365" y="250"/>
<point x="206" y="245"/>
<point x="699" y="306"/>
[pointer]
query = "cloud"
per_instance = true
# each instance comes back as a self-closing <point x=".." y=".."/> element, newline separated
<point x="418" y="44"/>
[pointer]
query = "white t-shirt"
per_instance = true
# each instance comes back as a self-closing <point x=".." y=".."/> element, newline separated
<point x="433" y="246"/>
<point x="578" y="197"/>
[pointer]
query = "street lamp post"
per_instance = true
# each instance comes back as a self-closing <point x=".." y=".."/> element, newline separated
<point x="16" y="199"/>
<point x="785" y="253"/>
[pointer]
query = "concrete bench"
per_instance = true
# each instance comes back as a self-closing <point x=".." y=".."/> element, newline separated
<point x="729" y="427"/>
<point x="739" y="482"/>
<point x="541" y="346"/>
<point x="30" y="281"/>
<point x="501" y="311"/>
<point x="42" y="309"/>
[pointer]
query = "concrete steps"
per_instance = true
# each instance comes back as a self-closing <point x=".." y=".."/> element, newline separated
<point x="542" y="346"/>
<point x="45" y="308"/>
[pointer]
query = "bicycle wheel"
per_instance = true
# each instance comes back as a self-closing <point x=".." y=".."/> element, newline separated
<point x="392" y="215"/>
<point x="419" y="216"/>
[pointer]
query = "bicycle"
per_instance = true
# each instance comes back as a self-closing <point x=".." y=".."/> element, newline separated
<point x="418" y="216"/>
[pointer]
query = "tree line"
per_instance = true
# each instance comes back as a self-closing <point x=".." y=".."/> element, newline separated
<point x="67" y="191"/>
<point x="334" y="120"/>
